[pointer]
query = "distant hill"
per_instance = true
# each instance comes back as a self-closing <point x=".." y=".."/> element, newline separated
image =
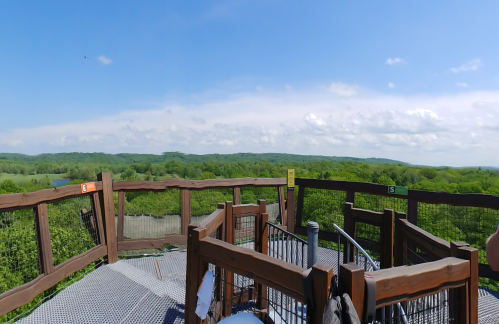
<point x="138" y="158"/>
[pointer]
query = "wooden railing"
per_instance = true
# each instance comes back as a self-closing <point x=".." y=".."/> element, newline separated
<point x="414" y="199"/>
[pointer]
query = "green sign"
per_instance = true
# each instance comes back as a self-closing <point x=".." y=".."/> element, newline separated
<point x="394" y="190"/>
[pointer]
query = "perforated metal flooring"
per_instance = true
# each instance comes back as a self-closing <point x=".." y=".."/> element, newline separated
<point x="129" y="291"/>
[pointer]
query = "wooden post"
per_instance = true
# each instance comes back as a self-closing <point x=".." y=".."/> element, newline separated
<point x="290" y="210"/>
<point x="322" y="276"/>
<point x="282" y="207"/>
<point x="229" y="276"/>
<point x="350" y="196"/>
<point x="349" y="227"/>
<point x="94" y="199"/>
<point x="43" y="236"/>
<point x="386" y="233"/>
<point x="352" y="277"/>
<point x="299" y="209"/>
<point x="192" y="284"/>
<point x="237" y="195"/>
<point x="412" y="211"/>
<point x="464" y="251"/>
<point x="185" y="210"/>
<point x="107" y="207"/>
<point x="399" y="245"/>
<point x="121" y="216"/>
<point x="263" y="249"/>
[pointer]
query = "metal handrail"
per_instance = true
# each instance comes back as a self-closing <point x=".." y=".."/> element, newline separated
<point x="368" y="258"/>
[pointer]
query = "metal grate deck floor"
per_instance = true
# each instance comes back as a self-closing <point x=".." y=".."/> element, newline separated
<point x="129" y="291"/>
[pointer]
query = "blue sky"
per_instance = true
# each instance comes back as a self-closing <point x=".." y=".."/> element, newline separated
<point x="416" y="81"/>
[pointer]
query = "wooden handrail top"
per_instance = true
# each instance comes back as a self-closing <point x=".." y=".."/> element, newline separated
<point x="245" y="209"/>
<point x="429" y="242"/>
<point x="20" y="200"/>
<point x="198" y="184"/>
<point x="278" y="274"/>
<point x="367" y="216"/>
<point x="408" y="282"/>
<point x="212" y="222"/>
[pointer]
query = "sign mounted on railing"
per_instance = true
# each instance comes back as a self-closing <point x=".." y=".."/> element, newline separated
<point x="394" y="190"/>
<point x="87" y="187"/>
<point x="291" y="178"/>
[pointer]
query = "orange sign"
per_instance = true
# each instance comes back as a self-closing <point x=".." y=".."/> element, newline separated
<point x="87" y="187"/>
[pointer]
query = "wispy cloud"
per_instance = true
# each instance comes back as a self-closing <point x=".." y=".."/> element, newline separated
<point x="470" y="66"/>
<point x="458" y="129"/>
<point x="394" y="61"/>
<point x="343" y="89"/>
<point x="105" y="60"/>
<point x="462" y="84"/>
<point x="391" y="85"/>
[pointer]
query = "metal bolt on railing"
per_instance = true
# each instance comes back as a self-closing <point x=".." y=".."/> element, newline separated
<point x="313" y="242"/>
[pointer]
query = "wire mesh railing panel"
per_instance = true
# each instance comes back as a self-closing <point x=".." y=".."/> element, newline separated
<point x="18" y="249"/>
<point x="413" y="255"/>
<point x="369" y="237"/>
<point x="379" y="203"/>
<point x="151" y="214"/>
<point x="429" y="309"/>
<point x="73" y="228"/>
<point x="244" y="231"/>
<point x="324" y="207"/>
<point x="204" y="202"/>
<point x="251" y="195"/>
<point x="286" y="246"/>
<point x="243" y="297"/>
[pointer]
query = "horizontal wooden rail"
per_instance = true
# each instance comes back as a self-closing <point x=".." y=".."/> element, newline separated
<point x="405" y="283"/>
<point x="197" y="184"/>
<point x="22" y="200"/>
<point x="275" y="273"/>
<point x="17" y="297"/>
<point x="152" y="243"/>
<point x="429" y="243"/>
<point x="212" y="222"/>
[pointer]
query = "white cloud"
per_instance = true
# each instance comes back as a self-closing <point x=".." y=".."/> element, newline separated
<point x="342" y="89"/>
<point x="105" y="60"/>
<point x="289" y="88"/>
<point x="433" y="130"/>
<point x="462" y="84"/>
<point x="259" y="88"/>
<point x="391" y="85"/>
<point x="394" y="61"/>
<point x="470" y="66"/>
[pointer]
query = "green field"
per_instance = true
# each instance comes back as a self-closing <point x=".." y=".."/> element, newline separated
<point x="19" y="178"/>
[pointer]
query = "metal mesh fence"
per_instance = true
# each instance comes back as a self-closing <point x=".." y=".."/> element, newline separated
<point x="241" y="298"/>
<point x="379" y="203"/>
<point x="324" y="207"/>
<point x="251" y="195"/>
<point x="18" y="249"/>
<point x="151" y="214"/>
<point x="204" y="202"/>
<point x="244" y="233"/>
<point x="286" y="246"/>
<point x="73" y="228"/>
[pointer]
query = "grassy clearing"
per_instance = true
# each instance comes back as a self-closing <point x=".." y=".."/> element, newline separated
<point x="18" y="179"/>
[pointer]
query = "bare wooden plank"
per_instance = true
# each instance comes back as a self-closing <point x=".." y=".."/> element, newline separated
<point x="485" y="271"/>
<point x="352" y="277"/>
<point x="229" y="223"/>
<point x="213" y="222"/>
<point x="94" y="199"/>
<point x="156" y="265"/>
<point x="280" y="272"/>
<point x="426" y="241"/>
<point x="107" y="208"/>
<point x="322" y="276"/>
<point x="152" y="243"/>
<point x="367" y="216"/>
<point x="185" y="210"/>
<point x="349" y="225"/>
<point x="121" y="216"/>
<point x="465" y="252"/>
<point x="236" y="193"/>
<point x="386" y="234"/>
<point x="245" y="209"/>
<point x="198" y="184"/>
<point x="399" y="248"/>
<point x="20" y="200"/>
<point x="192" y="285"/>
<point x="22" y="295"/>
<point x="400" y="283"/>
<point x="45" y="248"/>
<point x="299" y="209"/>
<point x="282" y="207"/>
<point x="412" y="211"/>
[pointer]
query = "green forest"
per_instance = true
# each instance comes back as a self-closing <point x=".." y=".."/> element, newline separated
<point x="70" y="235"/>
